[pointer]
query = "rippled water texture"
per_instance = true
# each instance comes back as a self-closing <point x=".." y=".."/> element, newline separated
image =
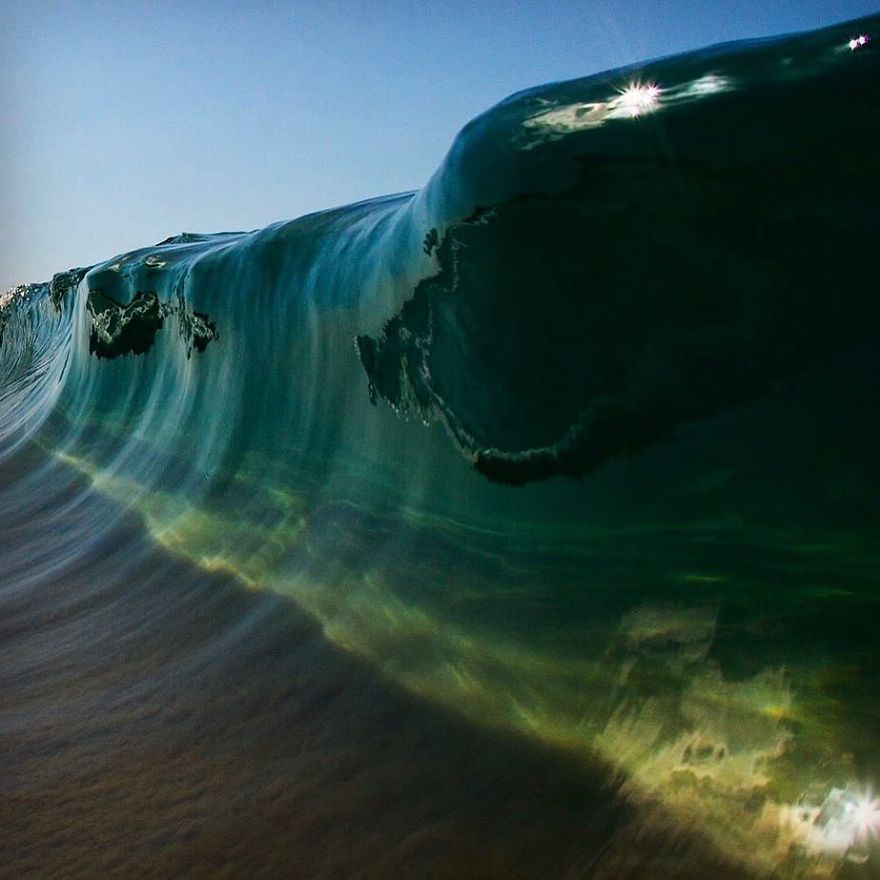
<point x="525" y="525"/>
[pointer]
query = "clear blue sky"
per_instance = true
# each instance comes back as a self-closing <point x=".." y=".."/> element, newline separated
<point x="126" y="121"/>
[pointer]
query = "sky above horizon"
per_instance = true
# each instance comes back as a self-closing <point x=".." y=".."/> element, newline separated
<point x="128" y="122"/>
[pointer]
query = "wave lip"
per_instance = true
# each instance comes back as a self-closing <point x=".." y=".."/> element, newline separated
<point x="668" y="258"/>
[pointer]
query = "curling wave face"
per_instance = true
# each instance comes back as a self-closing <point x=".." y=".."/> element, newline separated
<point x="579" y="440"/>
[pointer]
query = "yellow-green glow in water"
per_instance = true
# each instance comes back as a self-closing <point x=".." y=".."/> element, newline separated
<point x="703" y="746"/>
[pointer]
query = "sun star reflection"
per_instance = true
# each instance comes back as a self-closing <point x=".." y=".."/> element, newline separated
<point x="866" y="813"/>
<point x="858" y="42"/>
<point x="638" y="98"/>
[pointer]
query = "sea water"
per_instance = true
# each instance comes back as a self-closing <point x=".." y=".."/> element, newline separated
<point x="569" y="457"/>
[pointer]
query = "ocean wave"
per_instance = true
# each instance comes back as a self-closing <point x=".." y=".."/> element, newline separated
<point x="577" y="441"/>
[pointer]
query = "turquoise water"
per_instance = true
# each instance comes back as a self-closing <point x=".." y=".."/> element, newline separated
<point x="576" y="446"/>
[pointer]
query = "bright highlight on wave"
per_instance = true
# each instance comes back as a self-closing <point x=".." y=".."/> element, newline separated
<point x="637" y="98"/>
<point x="867" y="813"/>
<point x="842" y="824"/>
<point x="858" y="42"/>
<point x="629" y="102"/>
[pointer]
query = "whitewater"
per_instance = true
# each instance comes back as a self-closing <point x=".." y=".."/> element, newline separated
<point x="523" y="525"/>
